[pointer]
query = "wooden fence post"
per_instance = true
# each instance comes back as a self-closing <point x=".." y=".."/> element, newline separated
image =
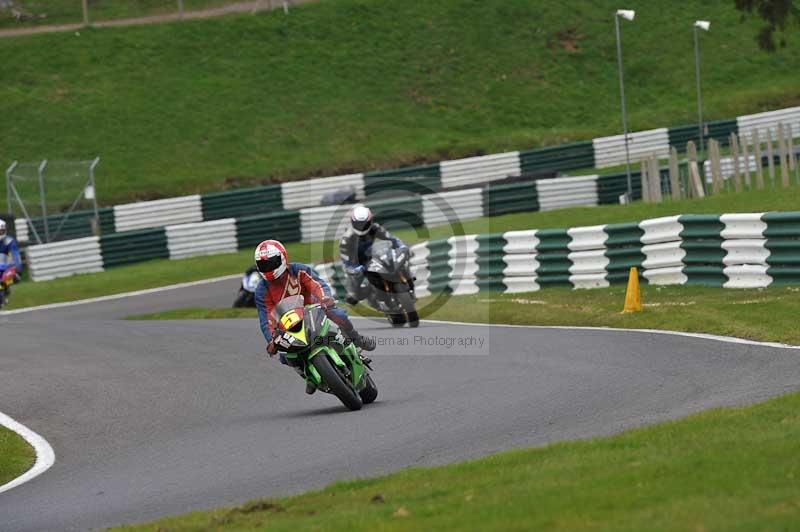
<point x="85" y="5"/>
<point x="771" y="158"/>
<point x="790" y="149"/>
<point x="737" y="177"/>
<point x="782" y="154"/>
<point x="674" y="176"/>
<point x="746" y="159"/>
<point x="645" y="184"/>
<point x="757" y="155"/>
<point x="655" y="180"/>
<point x="695" y="183"/>
<point x="716" y="175"/>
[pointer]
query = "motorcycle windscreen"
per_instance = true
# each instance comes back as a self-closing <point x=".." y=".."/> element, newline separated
<point x="382" y="258"/>
<point x="288" y="313"/>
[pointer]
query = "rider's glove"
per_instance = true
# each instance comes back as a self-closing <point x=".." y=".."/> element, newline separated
<point x="272" y="348"/>
<point x="327" y="303"/>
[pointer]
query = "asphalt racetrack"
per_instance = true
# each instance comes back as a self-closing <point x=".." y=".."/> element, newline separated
<point x="155" y="418"/>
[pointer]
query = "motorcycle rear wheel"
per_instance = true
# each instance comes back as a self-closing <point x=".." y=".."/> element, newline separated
<point x="397" y="320"/>
<point x="335" y="381"/>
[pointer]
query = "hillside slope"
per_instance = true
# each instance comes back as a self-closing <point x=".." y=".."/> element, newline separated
<point x="357" y="84"/>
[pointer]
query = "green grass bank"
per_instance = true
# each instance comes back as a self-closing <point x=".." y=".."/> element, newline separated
<point x="696" y="309"/>
<point x="351" y="85"/>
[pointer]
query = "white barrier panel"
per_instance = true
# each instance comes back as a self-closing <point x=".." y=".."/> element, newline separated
<point x="664" y="276"/>
<point x="21" y="229"/>
<point x="463" y="246"/>
<point x="524" y="265"/>
<point x="769" y="121"/>
<point x="419" y="254"/>
<point x="309" y="193"/>
<point x="586" y="262"/>
<point x="521" y="284"/>
<point x="479" y="169"/>
<point x="589" y="280"/>
<point x="610" y="151"/>
<point x="567" y="192"/>
<point x="464" y="286"/>
<point x="747" y="225"/>
<point x="666" y="229"/>
<point x="462" y="268"/>
<point x="747" y="276"/>
<point x="62" y="259"/>
<point x="520" y="242"/>
<point x="324" y="223"/>
<point x="587" y="238"/>
<point x="664" y="255"/>
<point x="451" y="207"/>
<point x="204" y="238"/>
<point x="727" y="168"/>
<point x="158" y="213"/>
<point x="745" y="251"/>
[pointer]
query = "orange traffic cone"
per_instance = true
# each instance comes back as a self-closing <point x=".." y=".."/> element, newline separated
<point x="633" y="296"/>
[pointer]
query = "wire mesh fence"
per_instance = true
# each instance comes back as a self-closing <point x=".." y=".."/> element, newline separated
<point x="47" y="194"/>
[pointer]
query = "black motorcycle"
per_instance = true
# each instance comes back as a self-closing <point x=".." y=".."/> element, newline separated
<point x="389" y="284"/>
<point x="246" y="297"/>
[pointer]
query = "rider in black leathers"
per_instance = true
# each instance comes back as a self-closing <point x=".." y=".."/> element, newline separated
<point x="355" y="246"/>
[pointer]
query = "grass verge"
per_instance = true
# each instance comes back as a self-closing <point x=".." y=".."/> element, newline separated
<point x="698" y="309"/>
<point x="16" y="456"/>
<point x="164" y="272"/>
<point x="725" y="469"/>
<point x="355" y="85"/>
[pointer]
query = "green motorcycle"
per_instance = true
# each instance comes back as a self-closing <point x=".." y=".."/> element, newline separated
<point x="322" y="354"/>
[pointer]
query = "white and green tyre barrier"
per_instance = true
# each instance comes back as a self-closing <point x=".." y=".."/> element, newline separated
<point x="731" y="250"/>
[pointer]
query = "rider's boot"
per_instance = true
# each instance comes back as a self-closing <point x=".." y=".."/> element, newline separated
<point x="310" y="388"/>
<point x="362" y="342"/>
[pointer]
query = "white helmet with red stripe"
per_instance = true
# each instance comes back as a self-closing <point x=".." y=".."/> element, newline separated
<point x="271" y="259"/>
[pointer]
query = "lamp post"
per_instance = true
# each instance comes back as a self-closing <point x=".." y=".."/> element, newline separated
<point x="703" y="25"/>
<point x="627" y="14"/>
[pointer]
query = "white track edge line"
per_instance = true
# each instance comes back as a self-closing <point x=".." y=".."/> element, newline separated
<point x="122" y="295"/>
<point x="702" y="336"/>
<point x="45" y="457"/>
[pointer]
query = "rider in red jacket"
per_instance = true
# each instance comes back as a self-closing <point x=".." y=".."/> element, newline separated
<point x="283" y="279"/>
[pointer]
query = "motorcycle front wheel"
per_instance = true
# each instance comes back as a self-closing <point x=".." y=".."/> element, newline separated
<point x="370" y="392"/>
<point x="336" y="382"/>
<point x="406" y="301"/>
<point x="241" y="299"/>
